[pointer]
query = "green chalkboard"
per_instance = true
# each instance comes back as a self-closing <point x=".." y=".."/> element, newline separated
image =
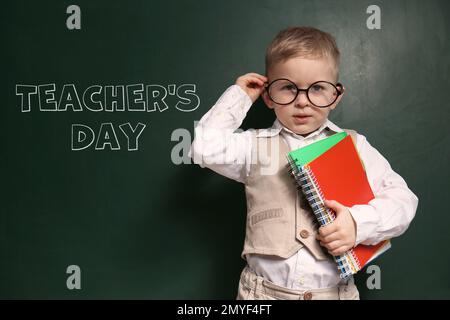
<point x="97" y="114"/>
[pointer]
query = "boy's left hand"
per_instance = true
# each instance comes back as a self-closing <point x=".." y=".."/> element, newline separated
<point x="340" y="235"/>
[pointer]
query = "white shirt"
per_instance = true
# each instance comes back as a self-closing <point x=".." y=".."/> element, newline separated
<point x="219" y="146"/>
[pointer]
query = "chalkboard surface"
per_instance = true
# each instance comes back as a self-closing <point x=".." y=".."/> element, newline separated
<point x="98" y="104"/>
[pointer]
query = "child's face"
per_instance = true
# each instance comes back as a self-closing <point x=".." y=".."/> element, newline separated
<point x="303" y="72"/>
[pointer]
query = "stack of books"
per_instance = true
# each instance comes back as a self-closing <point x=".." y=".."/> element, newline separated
<point x="332" y="169"/>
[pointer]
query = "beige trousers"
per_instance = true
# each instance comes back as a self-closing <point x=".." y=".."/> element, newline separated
<point x="253" y="287"/>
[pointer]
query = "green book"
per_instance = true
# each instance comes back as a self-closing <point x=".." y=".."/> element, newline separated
<point x="307" y="154"/>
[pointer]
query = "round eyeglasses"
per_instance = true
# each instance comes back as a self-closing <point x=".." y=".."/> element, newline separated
<point x="321" y="94"/>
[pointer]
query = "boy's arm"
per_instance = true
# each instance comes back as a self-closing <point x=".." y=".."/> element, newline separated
<point x="394" y="206"/>
<point x="216" y="145"/>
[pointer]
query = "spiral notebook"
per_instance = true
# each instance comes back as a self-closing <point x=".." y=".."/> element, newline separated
<point x="332" y="169"/>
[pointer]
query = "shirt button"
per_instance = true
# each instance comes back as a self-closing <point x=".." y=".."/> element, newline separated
<point x="307" y="296"/>
<point x="304" y="234"/>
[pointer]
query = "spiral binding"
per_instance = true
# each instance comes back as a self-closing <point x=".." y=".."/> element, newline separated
<point x="347" y="263"/>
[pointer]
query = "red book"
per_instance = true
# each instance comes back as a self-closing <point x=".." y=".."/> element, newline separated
<point x="338" y="174"/>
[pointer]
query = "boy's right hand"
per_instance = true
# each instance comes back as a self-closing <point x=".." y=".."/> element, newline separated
<point x="252" y="84"/>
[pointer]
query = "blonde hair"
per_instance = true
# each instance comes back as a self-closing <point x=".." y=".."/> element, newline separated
<point x="305" y="42"/>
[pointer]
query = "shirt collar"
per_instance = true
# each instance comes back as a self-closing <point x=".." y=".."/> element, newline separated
<point x="277" y="127"/>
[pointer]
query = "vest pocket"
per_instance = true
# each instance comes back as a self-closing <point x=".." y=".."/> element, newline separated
<point x="269" y="214"/>
<point x="266" y="231"/>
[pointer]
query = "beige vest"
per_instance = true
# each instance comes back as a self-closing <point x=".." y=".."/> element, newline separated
<point x="279" y="219"/>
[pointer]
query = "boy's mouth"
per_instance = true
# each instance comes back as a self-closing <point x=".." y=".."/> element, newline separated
<point x="300" y="118"/>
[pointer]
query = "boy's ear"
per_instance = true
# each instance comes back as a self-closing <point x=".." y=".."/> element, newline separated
<point x="334" y="105"/>
<point x="269" y="103"/>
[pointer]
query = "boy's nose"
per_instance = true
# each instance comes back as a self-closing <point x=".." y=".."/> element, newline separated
<point x="301" y="100"/>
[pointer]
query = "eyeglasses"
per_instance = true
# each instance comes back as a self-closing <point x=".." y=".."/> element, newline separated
<point x="321" y="94"/>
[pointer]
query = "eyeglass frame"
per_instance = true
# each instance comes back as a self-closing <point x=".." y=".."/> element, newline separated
<point x="338" y="84"/>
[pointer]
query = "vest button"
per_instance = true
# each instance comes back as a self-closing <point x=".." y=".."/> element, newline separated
<point x="307" y="296"/>
<point x="304" y="234"/>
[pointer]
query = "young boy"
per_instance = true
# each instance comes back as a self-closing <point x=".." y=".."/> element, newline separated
<point x="287" y="256"/>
